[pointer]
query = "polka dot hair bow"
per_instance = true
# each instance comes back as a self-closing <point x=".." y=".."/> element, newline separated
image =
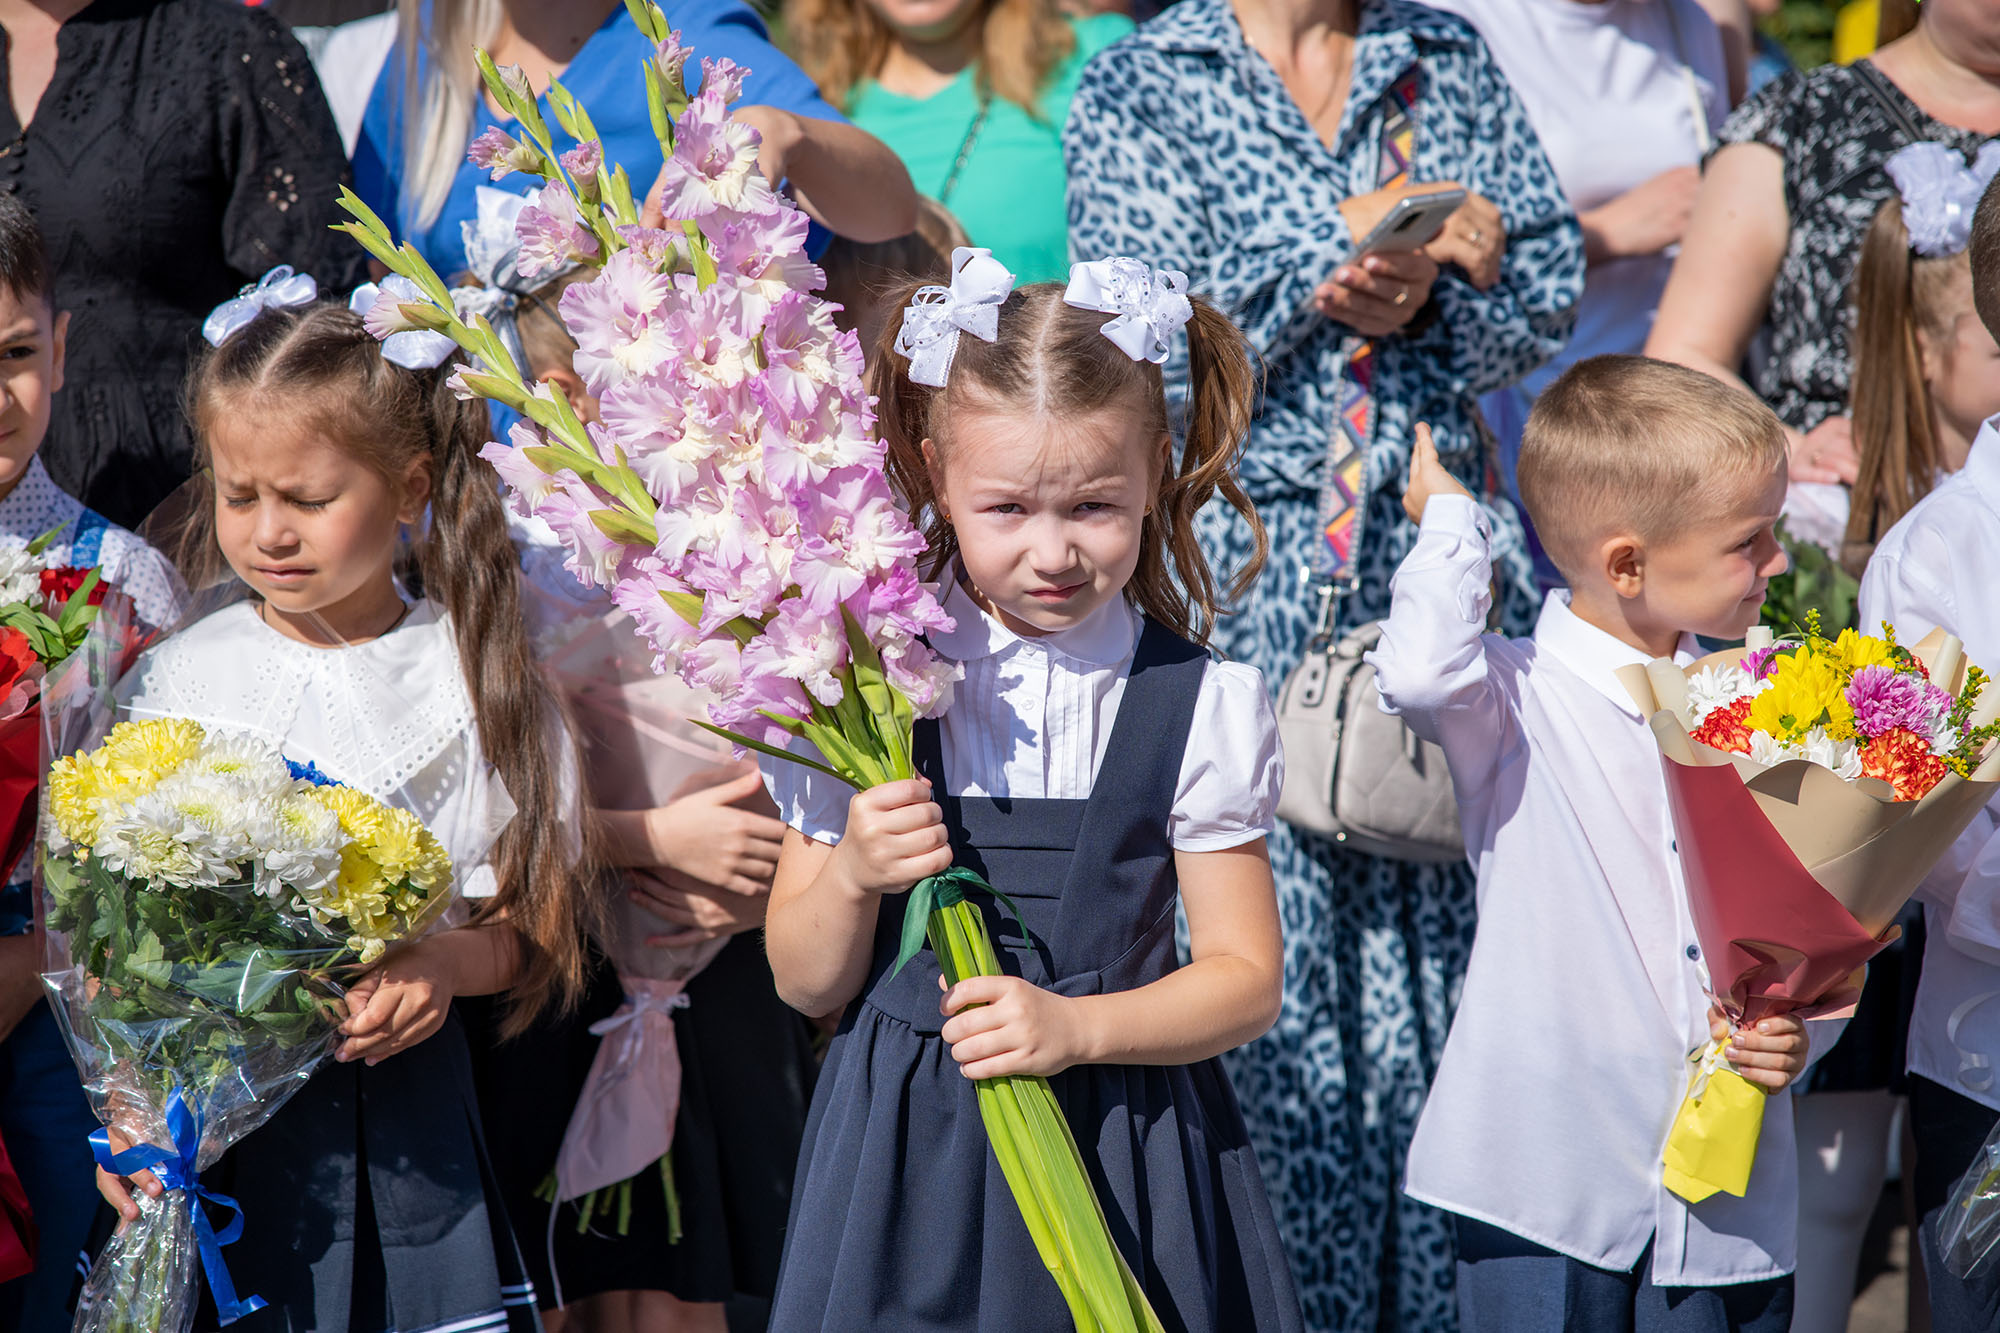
<point x="1151" y="304"/>
<point x="933" y="321"/>
<point x="278" y="289"/>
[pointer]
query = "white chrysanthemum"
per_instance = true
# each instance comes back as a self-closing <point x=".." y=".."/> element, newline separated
<point x="1767" y="749"/>
<point x="20" y="572"/>
<point x="301" y="847"/>
<point x="216" y="814"/>
<point x="1715" y="687"/>
<point x="253" y="767"/>
<point x="1944" y="737"/>
<point x="150" y="839"/>
<point x="1841" y="756"/>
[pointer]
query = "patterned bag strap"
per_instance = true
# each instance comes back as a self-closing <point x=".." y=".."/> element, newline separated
<point x="1343" y="494"/>
<point x="84" y="550"/>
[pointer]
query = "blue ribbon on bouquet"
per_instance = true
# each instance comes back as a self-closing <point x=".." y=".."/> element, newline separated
<point x="176" y="1170"/>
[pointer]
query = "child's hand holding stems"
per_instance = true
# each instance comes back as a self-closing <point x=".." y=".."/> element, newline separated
<point x="823" y="918"/>
<point x="1770" y="1054"/>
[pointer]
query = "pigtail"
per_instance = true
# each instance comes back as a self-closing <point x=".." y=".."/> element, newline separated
<point x="1222" y="399"/>
<point x="470" y="568"/>
<point x="1891" y="403"/>
<point x="903" y="410"/>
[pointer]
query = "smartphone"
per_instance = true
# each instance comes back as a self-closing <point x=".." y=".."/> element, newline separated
<point x="1413" y="221"/>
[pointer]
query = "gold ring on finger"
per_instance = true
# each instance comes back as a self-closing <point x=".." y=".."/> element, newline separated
<point x="1402" y="297"/>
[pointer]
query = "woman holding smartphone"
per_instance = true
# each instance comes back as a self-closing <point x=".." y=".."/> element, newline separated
<point x="1252" y="144"/>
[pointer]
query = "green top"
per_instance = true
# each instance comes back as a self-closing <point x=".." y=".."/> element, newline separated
<point x="1010" y="194"/>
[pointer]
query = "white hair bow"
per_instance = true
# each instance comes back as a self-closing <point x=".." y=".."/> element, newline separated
<point x="403" y="344"/>
<point x="934" y="319"/>
<point x="1151" y="304"/>
<point x="1940" y="193"/>
<point x="278" y="289"/>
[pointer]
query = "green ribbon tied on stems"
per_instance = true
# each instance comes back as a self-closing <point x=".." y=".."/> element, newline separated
<point x="933" y="893"/>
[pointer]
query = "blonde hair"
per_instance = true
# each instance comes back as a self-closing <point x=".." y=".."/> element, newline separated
<point x="1898" y="295"/>
<point x="842" y="42"/>
<point x="1630" y="444"/>
<point x="318" y="364"/>
<point x="1052" y="359"/>
<point x="437" y="107"/>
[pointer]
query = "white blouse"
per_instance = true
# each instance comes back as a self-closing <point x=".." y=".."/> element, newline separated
<point x="1032" y="719"/>
<point x="391" y="717"/>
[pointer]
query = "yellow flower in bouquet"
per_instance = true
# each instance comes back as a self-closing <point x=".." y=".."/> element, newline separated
<point x="391" y="869"/>
<point x="133" y="760"/>
<point x="1806" y="691"/>
<point x="1856" y="651"/>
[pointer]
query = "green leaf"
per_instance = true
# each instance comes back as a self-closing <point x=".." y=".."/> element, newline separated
<point x="620" y="526"/>
<point x="772" y="750"/>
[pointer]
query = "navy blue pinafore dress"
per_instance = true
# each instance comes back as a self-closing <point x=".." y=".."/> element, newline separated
<point x="901" y="1218"/>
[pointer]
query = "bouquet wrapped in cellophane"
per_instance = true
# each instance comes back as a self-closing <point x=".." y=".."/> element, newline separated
<point x="46" y="610"/>
<point x="206" y="901"/>
<point x="1813" y="783"/>
<point x="733" y="498"/>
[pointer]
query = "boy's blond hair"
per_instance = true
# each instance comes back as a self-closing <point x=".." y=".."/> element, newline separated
<point x="1629" y="444"/>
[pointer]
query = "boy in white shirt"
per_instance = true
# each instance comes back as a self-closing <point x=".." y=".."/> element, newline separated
<point x="1655" y="489"/>
<point x="44" y="1118"/>
<point x="1935" y="568"/>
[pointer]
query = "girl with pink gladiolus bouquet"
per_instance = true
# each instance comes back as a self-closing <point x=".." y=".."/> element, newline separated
<point x="1096" y="766"/>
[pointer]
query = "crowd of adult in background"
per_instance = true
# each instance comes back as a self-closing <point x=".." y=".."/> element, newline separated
<point x="1638" y="175"/>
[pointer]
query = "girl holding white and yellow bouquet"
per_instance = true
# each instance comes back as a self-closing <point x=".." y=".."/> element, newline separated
<point x="369" y="1193"/>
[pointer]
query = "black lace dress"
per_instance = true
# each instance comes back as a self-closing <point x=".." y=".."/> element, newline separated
<point x="182" y="149"/>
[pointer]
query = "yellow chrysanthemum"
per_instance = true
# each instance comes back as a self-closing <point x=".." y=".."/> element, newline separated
<point x="1855" y="651"/>
<point x="390" y="869"/>
<point x="77" y="788"/>
<point x="1806" y="691"/>
<point x="135" y="751"/>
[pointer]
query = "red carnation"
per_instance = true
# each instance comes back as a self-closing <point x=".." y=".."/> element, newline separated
<point x="1904" y="760"/>
<point x="1727" y="728"/>
<point x="58" y="585"/>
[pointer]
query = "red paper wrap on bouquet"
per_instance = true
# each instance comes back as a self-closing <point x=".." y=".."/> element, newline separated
<point x="20" y="745"/>
<point x="1794" y="877"/>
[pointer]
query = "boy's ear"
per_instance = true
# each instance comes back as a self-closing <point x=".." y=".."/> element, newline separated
<point x="1622" y="557"/>
<point x="58" y="348"/>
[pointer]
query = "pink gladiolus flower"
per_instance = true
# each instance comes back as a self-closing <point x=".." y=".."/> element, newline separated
<point x="897" y="600"/>
<point x="501" y="154"/>
<point x="385" y="319"/>
<point x="723" y="77"/>
<point x="618" y="320"/>
<point x="714" y="165"/>
<point x="593" y="558"/>
<point x="711" y="333"/>
<point x="653" y="247"/>
<point x="671" y="60"/>
<point x="582" y="162"/>
<point x="552" y="234"/>
<point x="802" y="645"/>
<point x="926" y="681"/>
<point x="713" y="664"/>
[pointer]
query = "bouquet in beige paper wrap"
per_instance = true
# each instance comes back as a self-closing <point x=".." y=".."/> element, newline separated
<point x="1813" y="783"/>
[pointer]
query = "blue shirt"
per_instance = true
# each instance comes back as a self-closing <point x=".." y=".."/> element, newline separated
<point x="605" y="76"/>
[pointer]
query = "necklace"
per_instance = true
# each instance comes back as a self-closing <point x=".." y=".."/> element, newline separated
<point x="264" y="607"/>
<point x="965" y="147"/>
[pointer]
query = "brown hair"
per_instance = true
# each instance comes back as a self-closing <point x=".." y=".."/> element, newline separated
<point x="545" y="339"/>
<point x="1983" y="254"/>
<point x="861" y="276"/>
<point x="319" y="364"/>
<point x="1052" y="359"/>
<point x="1898" y="296"/>
<point x="841" y="42"/>
<point x="1630" y="444"/>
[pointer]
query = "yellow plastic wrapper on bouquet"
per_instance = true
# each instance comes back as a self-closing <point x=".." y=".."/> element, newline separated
<point x="1714" y="1138"/>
